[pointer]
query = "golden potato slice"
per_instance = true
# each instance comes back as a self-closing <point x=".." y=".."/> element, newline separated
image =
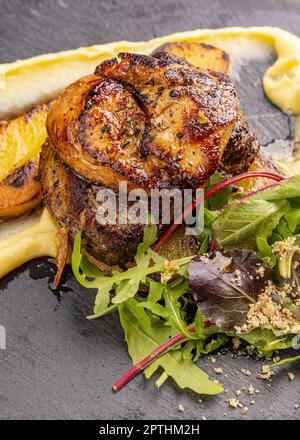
<point x="201" y="55"/>
<point x="20" y="143"/>
<point x="21" y="139"/>
<point x="20" y="191"/>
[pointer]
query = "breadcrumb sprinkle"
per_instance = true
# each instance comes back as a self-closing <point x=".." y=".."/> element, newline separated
<point x="261" y="271"/>
<point x="233" y="403"/>
<point x="268" y="311"/>
<point x="284" y="247"/>
<point x="266" y="373"/>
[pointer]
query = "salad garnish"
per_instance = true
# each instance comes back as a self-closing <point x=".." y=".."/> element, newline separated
<point x="247" y="260"/>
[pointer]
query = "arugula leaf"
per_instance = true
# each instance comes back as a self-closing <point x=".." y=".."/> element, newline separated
<point x="110" y="309"/>
<point x="78" y="260"/>
<point x="173" y="308"/>
<point x="202" y="347"/>
<point x="150" y="237"/>
<point x="144" y="334"/>
<point x="125" y="284"/>
<point x="210" y="216"/>
<point x="286" y="361"/>
<point x="204" y="245"/>
<point x="155" y="291"/>
<point x="172" y="311"/>
<point x="220" y="295"/>
<point x="282" y="229"/>
<point x="189" y="347"/>
<point x="242" y="222"/>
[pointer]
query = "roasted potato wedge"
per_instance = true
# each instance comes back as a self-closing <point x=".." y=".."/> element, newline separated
<point x="20" y="191"/>
<point x="20" y="143"/>
<point x="201" y="55"/>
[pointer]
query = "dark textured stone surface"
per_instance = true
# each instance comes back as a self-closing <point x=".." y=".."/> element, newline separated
<point x="57" y="364"/>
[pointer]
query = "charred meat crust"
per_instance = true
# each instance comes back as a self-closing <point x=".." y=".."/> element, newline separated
<point x="155" y="122"/>
<point x="241" y="149"/>
<point x="72" y="201"/>
<point x="243" y="146"/>
<point x="166" y="58"/>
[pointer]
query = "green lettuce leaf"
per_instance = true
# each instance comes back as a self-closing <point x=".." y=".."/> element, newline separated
<point x="258" y="215"/>
<point x="287" y="189"/>
<point x="242" y="222"/>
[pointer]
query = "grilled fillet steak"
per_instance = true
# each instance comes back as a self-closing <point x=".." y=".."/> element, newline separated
<point x="72" y="201"/>
<point x="155" y="123"/>
<point x="151" y="121"/>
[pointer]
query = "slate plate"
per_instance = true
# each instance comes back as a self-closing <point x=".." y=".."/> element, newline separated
<point x="58" y="365"/>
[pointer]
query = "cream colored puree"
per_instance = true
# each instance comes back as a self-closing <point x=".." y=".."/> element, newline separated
<point x="39" y="79"/>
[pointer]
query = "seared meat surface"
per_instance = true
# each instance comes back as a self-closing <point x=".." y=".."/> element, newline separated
<point x="152" y="121"/>
<point x="243" y="146"/>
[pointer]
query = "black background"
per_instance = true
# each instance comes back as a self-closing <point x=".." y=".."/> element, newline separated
<point x="57" y="364"/>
